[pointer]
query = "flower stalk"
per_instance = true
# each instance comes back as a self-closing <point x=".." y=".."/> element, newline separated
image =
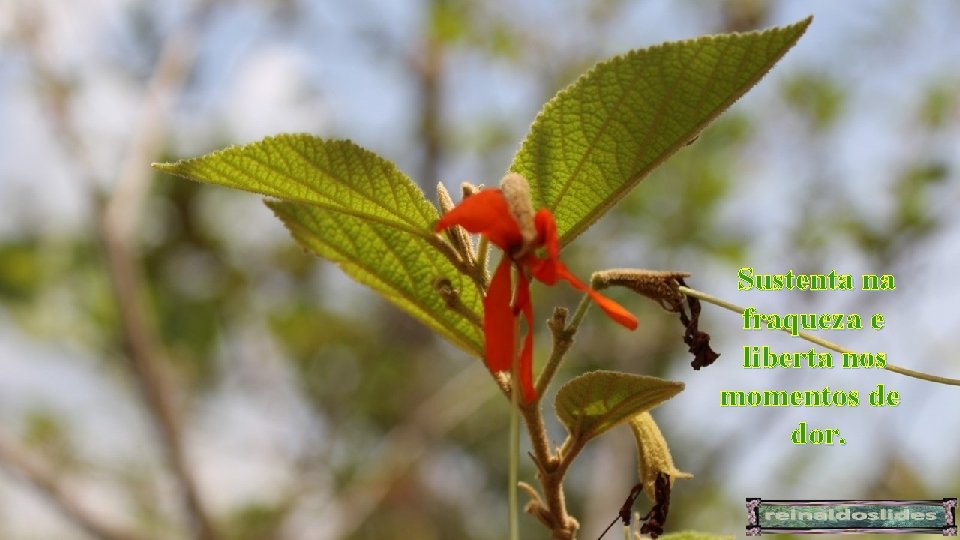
<point x="505" y="218"/>
<point x="820" y="341"/>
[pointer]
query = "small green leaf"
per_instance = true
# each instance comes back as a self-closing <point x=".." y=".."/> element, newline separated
<point x="357" y="209"/>
<point x="599" y="400"/>
<point x="691" y="535"/>
<point x="596" y="139"/>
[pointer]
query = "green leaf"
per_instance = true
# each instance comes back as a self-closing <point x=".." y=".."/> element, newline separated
<point x="596" y="139"/>
<point x="399" y="265"/>
<point x="691" y="535"/>
<point x="357" y="209"/>
<point x="337" y="175"/>
<point x="599" y="400"/>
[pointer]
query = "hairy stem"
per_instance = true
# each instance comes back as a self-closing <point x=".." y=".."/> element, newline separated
<point x="818" y="340"/>
<point x="562" y="340"/>
<point x="475" y="273"/>
<point x="483" y="254"/>
<point x="550" y="473"/>
<point x="551" y="467"/>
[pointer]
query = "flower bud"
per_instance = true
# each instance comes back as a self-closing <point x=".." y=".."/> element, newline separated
<point x="654" y="453"/>
<point x="458" y="235"/>
<point x="657" y="285"/>
<point x="516" y="191"/>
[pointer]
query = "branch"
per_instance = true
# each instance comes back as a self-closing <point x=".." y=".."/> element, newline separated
<point x="818" y="340"/>
<point x="119" y="220"/>
<point x="20" y="464"/>
<point x="552" y="467"/>
<point x="404" y="447"/>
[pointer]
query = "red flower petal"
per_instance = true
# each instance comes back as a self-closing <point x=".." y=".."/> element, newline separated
<point x="525" y="369"/>
<point x="547" y="229"/>
<point x="499" y="328"/>
<point x="545" y="270"/>
<point x="552" y="268"/>
<point x="486" y="213"/>
<point x="613" y="310"/>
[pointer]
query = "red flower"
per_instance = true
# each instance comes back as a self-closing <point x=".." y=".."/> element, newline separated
<point x="506" y="218"/>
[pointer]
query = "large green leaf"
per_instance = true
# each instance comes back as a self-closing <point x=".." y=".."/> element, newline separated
<point x="596" y="139"/>
<point x="357" y="209"/>
<point x="331" y="174"/>
<point x="399" y="265"/>
<point x="599" y="400"/>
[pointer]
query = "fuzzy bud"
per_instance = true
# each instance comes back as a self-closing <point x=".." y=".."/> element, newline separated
<point x="458" y="235"/>
<point x="467" y="189"/>
<point x="516" y="191"/>
<point x="657" y="285"/>
<point x="654" y="454"/>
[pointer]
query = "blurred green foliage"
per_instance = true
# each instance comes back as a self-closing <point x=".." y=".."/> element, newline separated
<point x="817" y="97"/>
<point x="20" y="272"/>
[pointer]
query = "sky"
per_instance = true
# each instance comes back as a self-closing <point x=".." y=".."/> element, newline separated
<point x="256" y="77"/>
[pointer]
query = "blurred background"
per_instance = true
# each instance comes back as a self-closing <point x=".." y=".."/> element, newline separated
<point x="173" y="366"/>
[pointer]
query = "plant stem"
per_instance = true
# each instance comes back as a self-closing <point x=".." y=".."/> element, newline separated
<point x="533" y="418"/>
<point x="514" y="456"/>
<point x="453" y="256"/>
<point x="551" y="468"/>
<point x="550" y="473"/>
<point x="568" y="451"/>
<point x="579" y="313"/>
<point x="818" y="340"/>
<point x="483" y="253"/>
<point x="513" y="476"/>
<point x="559" y="350"/>
<point x="562" y="340"/>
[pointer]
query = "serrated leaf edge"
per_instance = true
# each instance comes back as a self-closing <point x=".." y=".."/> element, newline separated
<point x="174" y="169"/>
<point x="615" y="197"/>
<point x="387" y="290"/>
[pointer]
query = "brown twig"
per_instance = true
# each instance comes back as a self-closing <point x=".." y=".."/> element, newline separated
<point x="551" y="470"/>
<point x="427" y="67"/>
<point x="118" y="222"/>
<point x="143" y="347"/>
<point x="22" y="465"/>
<point x="551" y="466"/>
